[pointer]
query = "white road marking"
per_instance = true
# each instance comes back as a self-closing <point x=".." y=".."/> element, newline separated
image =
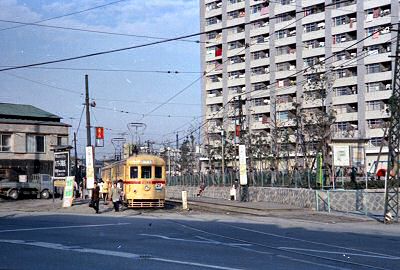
<point x="109" y="253"/>
<point x="314" y="242"/>
<point x="204" y="241"/>
<point x="64" y="227"/>
<point x="341" y="253"/>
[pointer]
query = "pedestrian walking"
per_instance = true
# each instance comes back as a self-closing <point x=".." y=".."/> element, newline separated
<point x="96" y="197"/>
<point x="115" y="196"/>
<point x="105" y="191"/>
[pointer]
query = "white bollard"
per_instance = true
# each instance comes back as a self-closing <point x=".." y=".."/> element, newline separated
<point x="184" y="200"/>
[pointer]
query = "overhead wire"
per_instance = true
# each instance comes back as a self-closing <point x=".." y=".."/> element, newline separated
<point x="68" y="14"/>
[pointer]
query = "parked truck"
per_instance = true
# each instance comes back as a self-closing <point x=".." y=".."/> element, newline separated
<point x="40" y="185"/>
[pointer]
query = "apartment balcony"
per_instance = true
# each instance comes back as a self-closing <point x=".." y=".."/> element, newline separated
<point x="213" y="27"/>
<point x="285" y="74"/>
<point x="259" y="125"/>
<point x="309" y="3"/>
<point x="377" y="58"/>
<point x="259" y="46"/>
<point x="258" y="15"/>
<point x="237" y="81"/>
<point x="286" y="90"/>
<point x="260" y="78"/>
<point x="235" y="6"/>
<point x="384" y="38"/>
<point x="348" y="27"/>
<point x="313" y="52"/>
<point x="378" y="95"/>
<point x="237" y="51"/>
<point x="285" y="41"/>
<point x="352" y="80"/>
<point x="259" y="31"/>
<point x="279" y="9"/>
<point x="313" y="17"/>
<point x="313" y="35"/>
<point x="261" y="109"/>
<point x="336" y="12"/>
<point x="214" y="114"/>
<point x="285" y="106"/>
<point x="378" y="21"/>
<point x="259" y="62"/>
<point x="347" y="117"/>
<point x="285" y="57"/>
<point x="213" y="12"/>
<point x="236" y="66"/>
<point x="213" y="85"/>
<point x="346" y="134"/>
<point x="311" y="103"/>
<point x="236" y="21"/>
<point x="376" y="114"/>
<point x="235" y="36"/>
<point x="380" y="76"/>
<point x="345" y="44"/>
<point x="375" y="133"/>
<point x="344" y="99"/>
<point x="214" y="99"/>
<point x="285" y="24"/>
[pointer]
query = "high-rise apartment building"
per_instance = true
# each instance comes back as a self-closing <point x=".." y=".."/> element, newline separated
<point x="274" y="54"/>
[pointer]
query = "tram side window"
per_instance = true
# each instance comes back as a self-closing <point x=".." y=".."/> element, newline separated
<point x="158" y="172"/>
<point x="134" y="172"/>
<point x="146" y="172"/>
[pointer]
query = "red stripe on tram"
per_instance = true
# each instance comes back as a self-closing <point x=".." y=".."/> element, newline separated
<point x="145" y="182"/>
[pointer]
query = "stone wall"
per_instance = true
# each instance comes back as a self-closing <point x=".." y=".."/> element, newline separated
<point x="337" y="200"/>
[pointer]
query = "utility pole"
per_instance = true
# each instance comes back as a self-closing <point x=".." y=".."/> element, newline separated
<point x="244" y="187"/>
<point x="76" y="158"/>
<point x="223" y="155"/>
<point x="392" y="181"/>
<point x="88" y="135"/>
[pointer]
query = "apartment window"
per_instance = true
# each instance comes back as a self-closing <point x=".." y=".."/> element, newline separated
<point x="259" y="86"/>
<point x="344" y="91"/>
<point x="236" y="89"/>
<point x="374" y="105"/>
<point x="235" y="1"/>
<point x="373" y="87"/>
<point x="375" y="123"/>
<point x="35" y="143"/>
<point x="374" y="68"/>
<point x="311" y="61"/>
<point x="211" y="21"/>
<point x="258" y="102"/>
<point x="310" y="27"/>
<point x="287" y="2"/>
<point x="259" y="55"/>
<point x="343" y="126"/>
<point x="282" y="116"/>
<point x="376" y="141"/>
<point x="259" y="70"/>
<point x="5" y="142"/>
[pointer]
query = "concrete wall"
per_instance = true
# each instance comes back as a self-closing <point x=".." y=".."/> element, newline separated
<point x="338" y="200"/>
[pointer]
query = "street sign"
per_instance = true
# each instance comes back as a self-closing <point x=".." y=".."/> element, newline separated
<point x="61" y="165"/>
<point x="242" y="165"/>
<point x="89" y="167"/>
<point x="68" y="191"/>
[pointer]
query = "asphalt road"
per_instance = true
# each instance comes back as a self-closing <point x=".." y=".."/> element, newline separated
<point x="191" y="240"/>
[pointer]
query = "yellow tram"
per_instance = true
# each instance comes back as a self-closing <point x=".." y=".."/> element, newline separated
<point x="143" y="178"/>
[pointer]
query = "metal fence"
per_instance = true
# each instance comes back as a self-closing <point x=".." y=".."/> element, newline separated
<point x="289" y="179"/>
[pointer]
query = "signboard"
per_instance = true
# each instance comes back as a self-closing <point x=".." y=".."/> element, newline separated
<point x="89" y="167"/>
<point x="341" y="155"/>
<point x="99" y="136"/>
<point x="61" y="165"/>
<point x="68" y="191"/>
<point x="242" y="165"/>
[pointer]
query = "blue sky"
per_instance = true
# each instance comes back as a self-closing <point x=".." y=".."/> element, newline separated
<point x="57" y="91"/>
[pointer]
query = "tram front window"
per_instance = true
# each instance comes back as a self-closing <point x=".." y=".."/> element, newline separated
<point x="134" y="172"/>
<point x="146" y="172"/>
<point x="158" y="172"/>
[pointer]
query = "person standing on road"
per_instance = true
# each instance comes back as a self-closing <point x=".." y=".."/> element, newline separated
<point x="105" y="191"/>
<point x="115" y="196"/>
<point x="96" y="197"/>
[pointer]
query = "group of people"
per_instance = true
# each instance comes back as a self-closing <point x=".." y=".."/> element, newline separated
<point x="101" y="191"/>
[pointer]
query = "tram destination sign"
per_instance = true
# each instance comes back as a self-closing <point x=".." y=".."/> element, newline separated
<point x="61" y="165"/>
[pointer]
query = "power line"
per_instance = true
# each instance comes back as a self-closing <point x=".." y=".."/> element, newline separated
<point x="92" y="31"/>
<point x="141" y="114"/>
<point x="68" y="14"/>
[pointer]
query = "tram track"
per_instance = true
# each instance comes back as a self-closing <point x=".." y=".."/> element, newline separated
<point x="288" y="253"/>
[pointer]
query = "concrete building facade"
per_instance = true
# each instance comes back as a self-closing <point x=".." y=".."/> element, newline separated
<point x="27" y="137"/>
<point x="267" y="52"/>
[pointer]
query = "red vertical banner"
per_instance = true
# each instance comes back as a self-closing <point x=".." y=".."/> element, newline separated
<point x="99" y="133"/>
